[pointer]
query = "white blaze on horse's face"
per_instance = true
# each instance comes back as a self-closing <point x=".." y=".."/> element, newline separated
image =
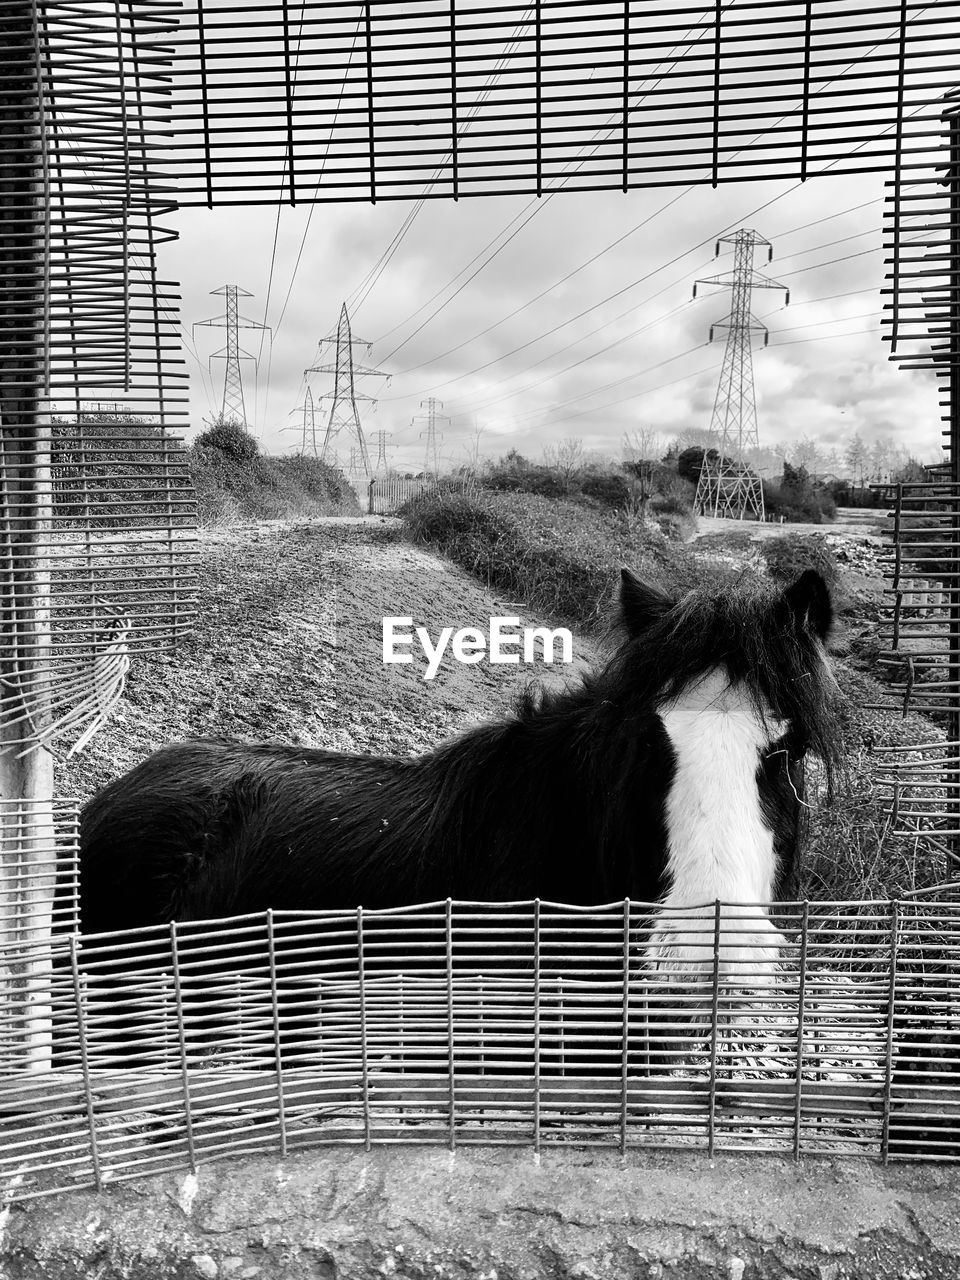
<point x="718" y="844"/>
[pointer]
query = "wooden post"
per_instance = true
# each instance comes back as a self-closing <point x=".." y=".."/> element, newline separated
<point x="26" y="769"/>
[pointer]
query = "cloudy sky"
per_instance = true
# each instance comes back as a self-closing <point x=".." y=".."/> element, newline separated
<point x="572" y="316"/>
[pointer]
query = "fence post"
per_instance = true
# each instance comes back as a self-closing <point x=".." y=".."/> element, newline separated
<point x="370" y="496"/>
<point x="26" y="769"/>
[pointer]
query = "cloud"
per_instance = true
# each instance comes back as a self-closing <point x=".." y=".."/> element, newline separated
<point x="569" y="316"/>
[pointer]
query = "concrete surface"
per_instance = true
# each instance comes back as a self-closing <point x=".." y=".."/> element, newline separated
<point x="496" y="1214"/>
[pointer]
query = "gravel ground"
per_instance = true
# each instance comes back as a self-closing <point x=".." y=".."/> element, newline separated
<point x="288" y="647"/>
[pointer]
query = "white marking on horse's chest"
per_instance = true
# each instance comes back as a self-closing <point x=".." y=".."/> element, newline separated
<point x="718" y="844"/>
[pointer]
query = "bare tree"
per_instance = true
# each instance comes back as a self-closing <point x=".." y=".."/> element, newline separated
<point x="565" y="457"/>
<point x="645" y="444"/>
<point x="855" y="456"/>
<point x="881" y="454"/>
<point x="806" y="454"/>
<point x="697" y="438"/>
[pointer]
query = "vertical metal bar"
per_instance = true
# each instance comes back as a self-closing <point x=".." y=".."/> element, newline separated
<point x="538" y="72"/>
<point x="277" y="1055"/>
<point x="452" y="1097"/>
<point x="537" y="1047"/>
<point x="207" y="115"/>
<point x="368" y="29"/>
<point x="953" y="397"/>
<point x="364" y="1057"/>
<point x="891" y="1023"/>
<point x="126" y="237"/>
<point x="625" y="1027"/>
<point x="26" y="770"/>
<point x="805" y="107"/>
<point x="288" y="86"/>
<point x="85" y="1063"/>
<point x="714" y="1033"/>
<point x="717" y="47"/>
<point x="454" y="122"/>
<point x="625" y="105"/>
<point x="801" y="1027"/>
<point x="182" y="1040"/>
<point x="897" y="564"/>
<point x="895" y="267"/>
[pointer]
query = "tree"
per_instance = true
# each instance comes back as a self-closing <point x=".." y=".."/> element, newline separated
<point x="230" y="438"/>
<point x="697" y="436"/>
<point x="880" y="458"/>
<point x="805" y="454"/>
<point x="565" y="457"/>
<point x="642" y="445"/>
<point x="855" y="456"/>
<point x="690" y="462"/>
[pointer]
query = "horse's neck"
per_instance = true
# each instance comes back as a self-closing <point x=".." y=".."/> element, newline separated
<point x="718" y="843"/>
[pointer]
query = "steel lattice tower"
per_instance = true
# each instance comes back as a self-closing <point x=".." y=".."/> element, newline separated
<point x="308" y="435"/>
<point x="431" y="460"/>
<point x="728" y="486"/>
<point x="381" y="438"/>
<point x="233" y="408"/>
<point x="344" y="397"/>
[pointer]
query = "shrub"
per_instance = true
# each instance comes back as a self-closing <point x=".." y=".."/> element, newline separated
<point x="529" y="478"/>
<point x="266" y="488"/>
<point x="609" y="488"/>
<point x="787" y="557"/>
<point x="560" y="556"/>
<point x="797" y="499"/>
<point x="229" y="438"/>
<point x="675" y="519"/>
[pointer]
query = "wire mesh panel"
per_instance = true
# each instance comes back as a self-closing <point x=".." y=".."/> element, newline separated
<point x="528" y="1024"/>
<point x="920" y="639"/>
<point x="378" y="100"/>
<point x="38" y="910"/>
<point x="96" y="509"/>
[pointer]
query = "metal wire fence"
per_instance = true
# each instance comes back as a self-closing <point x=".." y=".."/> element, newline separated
<point x="375" y="100"/>
<point x="525" y="1023"/>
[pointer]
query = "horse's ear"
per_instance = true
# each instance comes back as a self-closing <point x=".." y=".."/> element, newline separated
<point x="809" y="601"/>
<point x="641" y="603"/>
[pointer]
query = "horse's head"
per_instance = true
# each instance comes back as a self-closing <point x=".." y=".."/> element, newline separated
<point x="739" y="676"/>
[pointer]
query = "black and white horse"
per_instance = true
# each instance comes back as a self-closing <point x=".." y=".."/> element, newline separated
<point x="673" y="774"/>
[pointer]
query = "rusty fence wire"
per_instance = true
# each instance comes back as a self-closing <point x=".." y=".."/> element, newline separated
<point x="833" y="1030"/>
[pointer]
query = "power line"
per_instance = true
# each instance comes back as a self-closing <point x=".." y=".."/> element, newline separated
<point x="687" y="377"/>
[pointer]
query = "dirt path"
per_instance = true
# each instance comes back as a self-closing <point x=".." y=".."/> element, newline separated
<point x="288" y="647"/>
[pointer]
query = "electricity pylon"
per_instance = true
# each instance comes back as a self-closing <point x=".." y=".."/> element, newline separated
<point x="728" y="486"/>
<point x="344" y="397"/>
<point x="233" y="408"/>
<point x="381" y="438"/>
<point x="431" y="462"/>
<point x="308" y="436"/>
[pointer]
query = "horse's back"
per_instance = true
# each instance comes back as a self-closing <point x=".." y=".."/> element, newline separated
<point x="205" y="822"/>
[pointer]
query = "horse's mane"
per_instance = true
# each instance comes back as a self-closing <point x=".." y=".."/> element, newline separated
<point x="746" y="626"/>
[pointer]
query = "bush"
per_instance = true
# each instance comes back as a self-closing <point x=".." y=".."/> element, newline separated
<point x="563" y="557"/>
<point x="787" y="557"/>
<point x="797" y="499"/>
<point x="266" y="488"/>
<point x="229" y="438"/>
<point x="674" y="514"/>
<point x="530" y="478"/>
<point x="609" y="488"/>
